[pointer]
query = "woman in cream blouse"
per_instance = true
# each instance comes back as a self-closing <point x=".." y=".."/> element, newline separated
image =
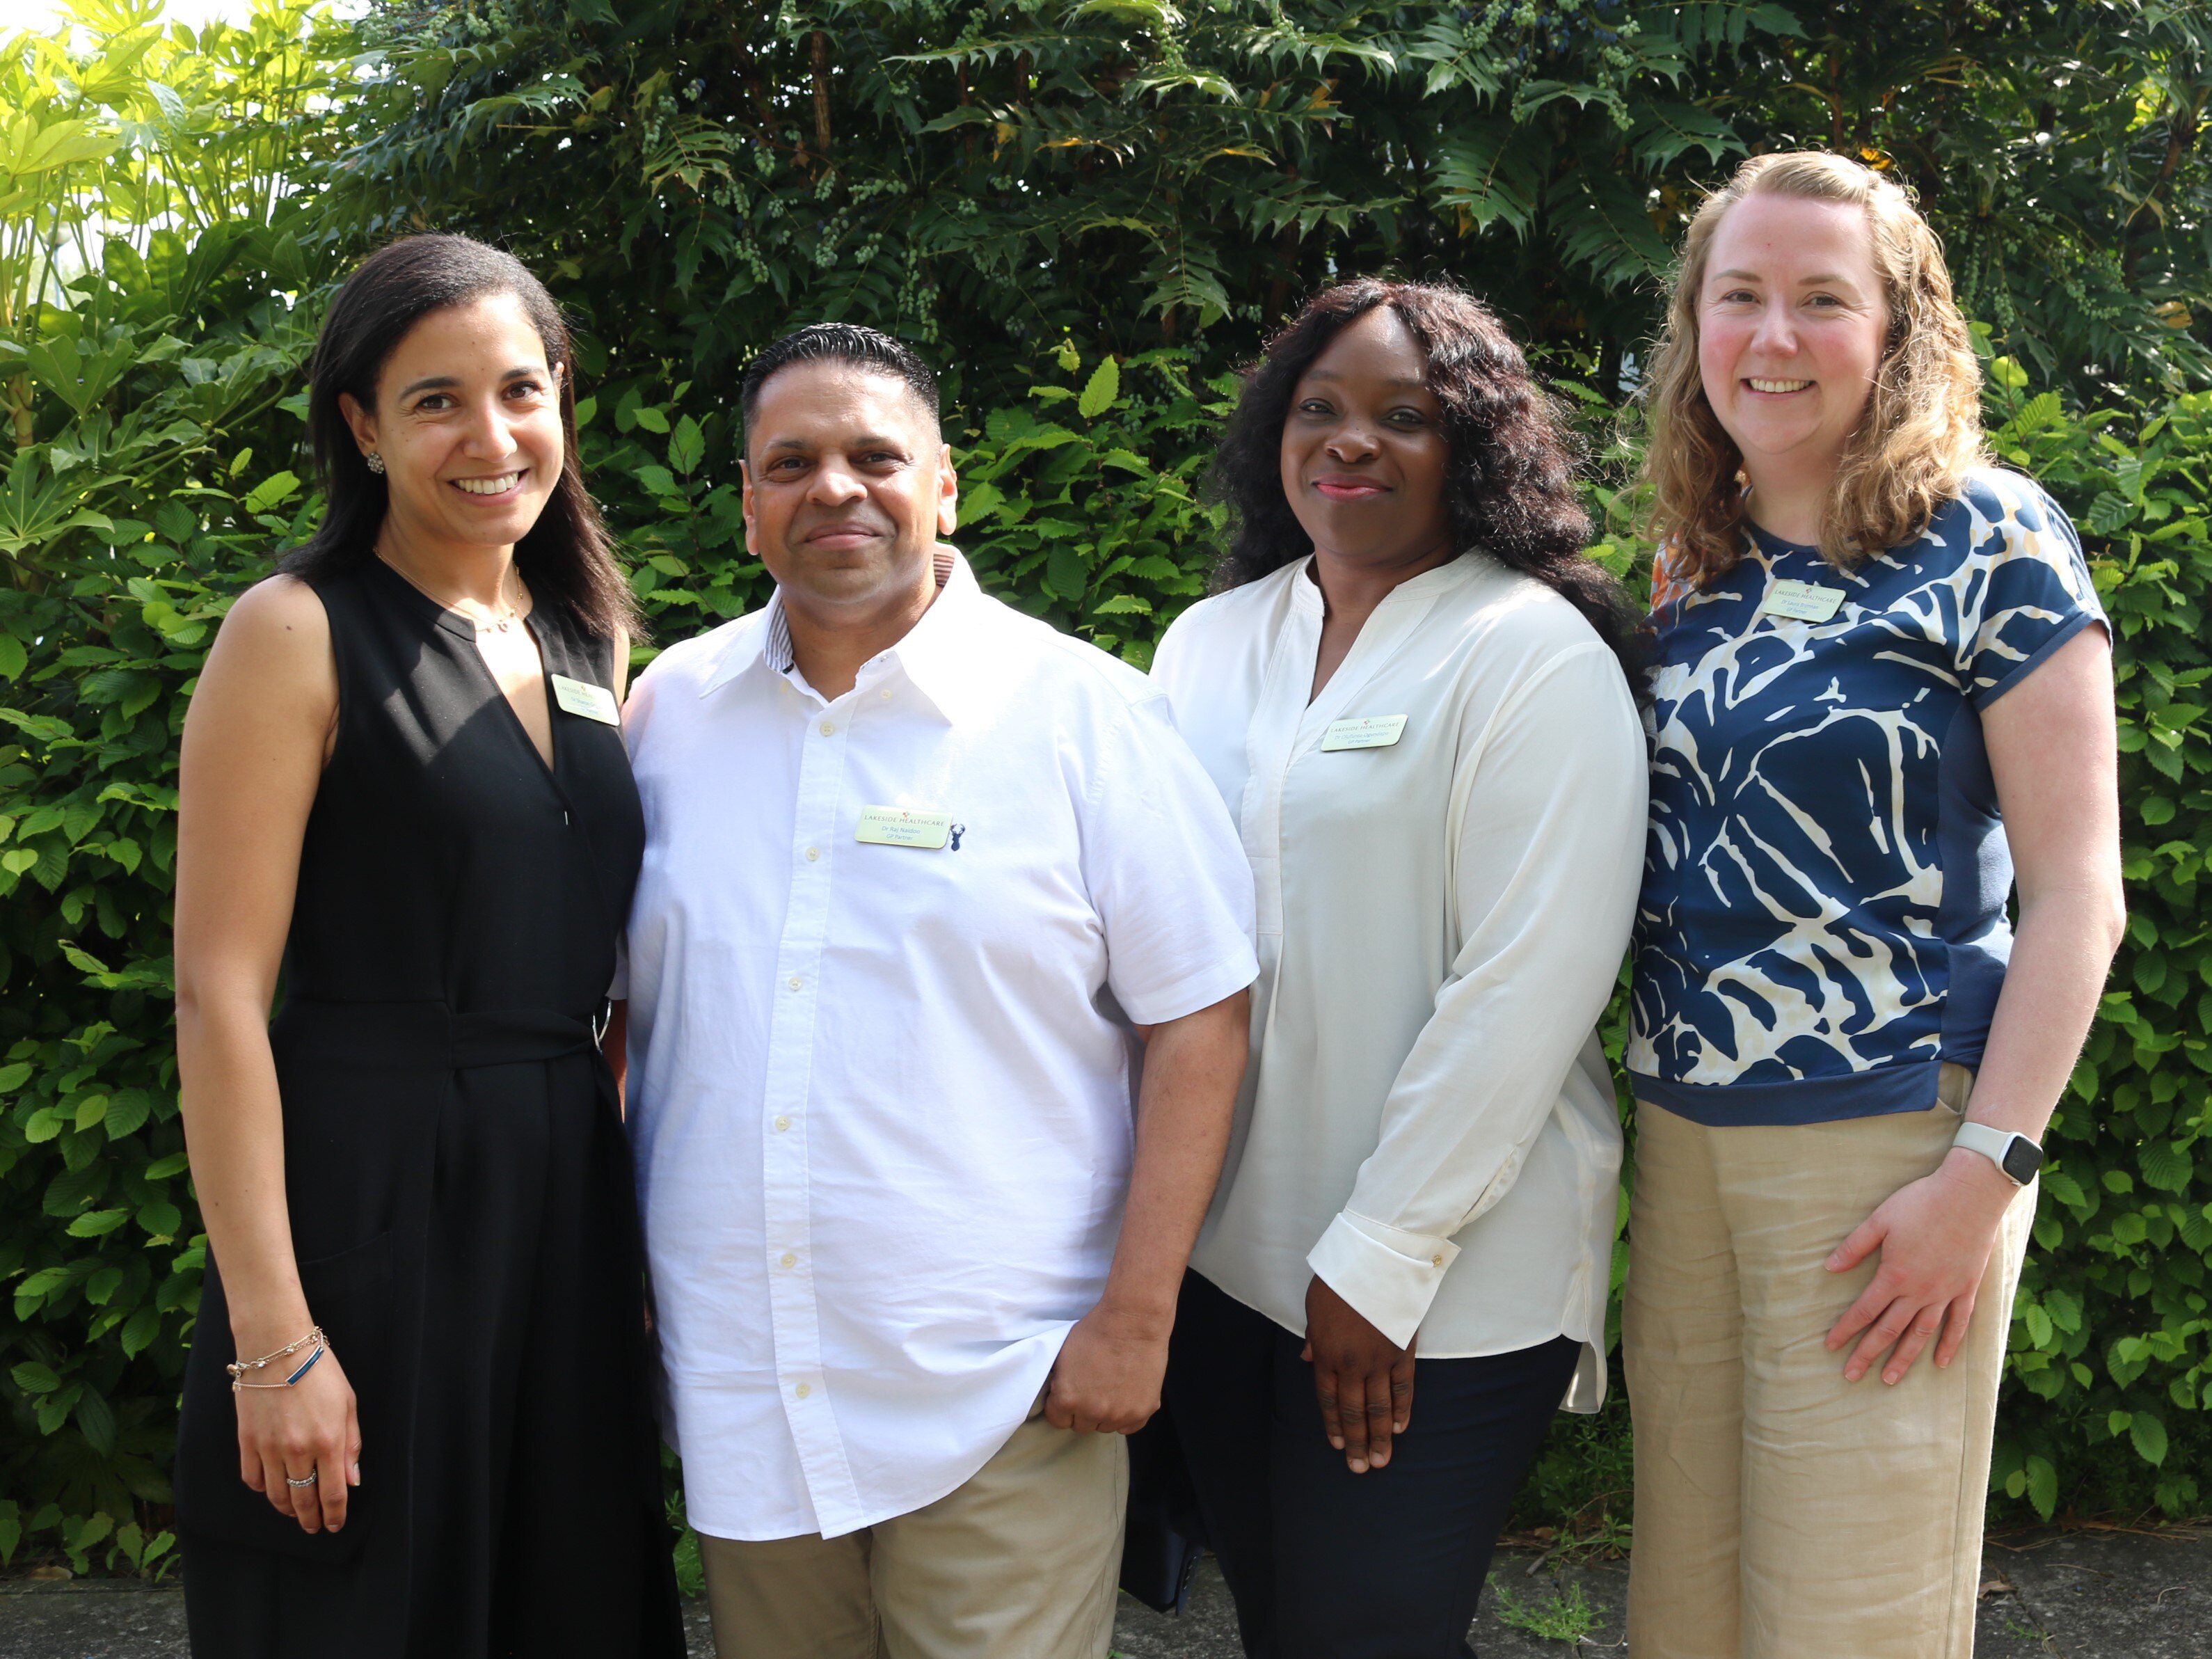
<point x="1413" y="694"/>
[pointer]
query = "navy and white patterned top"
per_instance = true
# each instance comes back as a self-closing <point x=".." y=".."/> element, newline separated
<point x="1823" y="919"/>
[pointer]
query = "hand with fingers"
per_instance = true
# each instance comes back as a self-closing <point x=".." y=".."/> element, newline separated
<point x="299" y="1447"/>
<point x="1364" y="1380"/>
<point x="1107" y="1379"/>
<point x="1935" y="1235"/>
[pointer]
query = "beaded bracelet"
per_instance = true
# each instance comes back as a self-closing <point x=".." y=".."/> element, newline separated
<point x="238" y="1369"/>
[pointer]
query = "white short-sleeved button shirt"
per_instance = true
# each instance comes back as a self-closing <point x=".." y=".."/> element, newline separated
<point x="880" y="1094"/>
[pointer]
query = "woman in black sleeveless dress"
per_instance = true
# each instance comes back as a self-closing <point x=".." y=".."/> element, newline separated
<point x="402" y="774"/>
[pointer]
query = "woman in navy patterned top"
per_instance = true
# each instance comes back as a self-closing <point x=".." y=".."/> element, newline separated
<point x="1882" y="694"/>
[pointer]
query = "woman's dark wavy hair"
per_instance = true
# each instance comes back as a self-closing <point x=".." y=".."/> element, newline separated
<point x="567" y="558"/>
<point x="1511" y="486"/>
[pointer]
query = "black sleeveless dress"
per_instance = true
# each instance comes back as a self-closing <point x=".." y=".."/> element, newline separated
<point x="459" y="1185"/>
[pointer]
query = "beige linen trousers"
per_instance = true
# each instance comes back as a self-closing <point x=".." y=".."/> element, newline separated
<point x="1019" y="1562"/>
<point x="1781" y="1512"/>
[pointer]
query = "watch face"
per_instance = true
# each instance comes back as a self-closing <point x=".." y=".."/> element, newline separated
<point x="2022" y="1158"/>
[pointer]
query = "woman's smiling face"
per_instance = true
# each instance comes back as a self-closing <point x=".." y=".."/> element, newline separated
<point x="1364" y="452"/>
<point x="1791" y="323"/>
<point x="468" y="423"/>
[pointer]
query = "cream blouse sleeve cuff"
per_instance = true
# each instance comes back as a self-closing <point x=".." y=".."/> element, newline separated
<point x="1389" y="1277"/>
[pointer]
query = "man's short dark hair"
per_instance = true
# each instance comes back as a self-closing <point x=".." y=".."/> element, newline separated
<point x="845" y="342"/>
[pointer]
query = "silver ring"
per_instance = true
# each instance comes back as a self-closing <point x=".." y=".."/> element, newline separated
<point x="309" y="1481"/>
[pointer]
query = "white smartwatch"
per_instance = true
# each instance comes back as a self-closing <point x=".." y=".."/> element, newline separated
<point x="2015" y="1154"/>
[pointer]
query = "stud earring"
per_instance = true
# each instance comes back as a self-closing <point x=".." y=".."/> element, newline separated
<point x="375" y="463"/>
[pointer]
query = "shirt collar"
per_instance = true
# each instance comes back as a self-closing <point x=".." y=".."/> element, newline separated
<point x="932" y="653"/>
<point x="1461" y="567"/>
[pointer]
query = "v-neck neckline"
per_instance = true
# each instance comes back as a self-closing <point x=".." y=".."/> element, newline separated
<point x="1395" y="615"/>
<point x="458" y="625"/>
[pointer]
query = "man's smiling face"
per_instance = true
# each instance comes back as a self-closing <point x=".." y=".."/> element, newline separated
<point x="847" y="484"/>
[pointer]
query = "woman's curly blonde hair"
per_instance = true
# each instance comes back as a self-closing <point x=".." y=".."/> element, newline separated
<point x="1922" y="426"/>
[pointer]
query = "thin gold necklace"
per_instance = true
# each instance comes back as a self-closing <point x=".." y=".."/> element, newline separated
<point x="498" y="624"/>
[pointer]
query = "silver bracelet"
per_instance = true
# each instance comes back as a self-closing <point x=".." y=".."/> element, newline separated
<point x="238" y="1371"/>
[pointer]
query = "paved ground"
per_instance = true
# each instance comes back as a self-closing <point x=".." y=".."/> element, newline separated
<point x="2090" y="1594"/>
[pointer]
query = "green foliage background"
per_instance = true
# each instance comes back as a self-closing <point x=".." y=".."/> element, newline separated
<point x="1091" y="213"/>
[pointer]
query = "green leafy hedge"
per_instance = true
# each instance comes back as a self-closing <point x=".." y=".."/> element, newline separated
<point x="1081" y="506"/>
<point x="2112" y="1332"/>
<point x="160" y="478"/>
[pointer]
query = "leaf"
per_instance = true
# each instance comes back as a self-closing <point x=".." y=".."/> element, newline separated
<point x="2109" y="513"/>
<point x="2063" y="1187"/>
<point x="1488" y="171"/>
<point x="265" y="497"/>
<point x="2164" y="1165"/>
<point x="98" y="1224"/>
<point x="140" y="1329"/>
<point x="2042" y="1486"/>
<point x="1604" y="226"/>
<point x="1669" y="130"/>
<point x="1103" y="388"/>
<point x="34" y="1378"/>
<point x="980" y="503"/>
<point x="33" y="148"/>
<point x="1066" y="573"/>
<point x="127" y="1112"/>
<point x="652" y="419"/>
<point x="43" y="1281"/>
<point x="95" y="1418"/>
<point x="687" y="446"/>
<point x="2149" y="1434"/>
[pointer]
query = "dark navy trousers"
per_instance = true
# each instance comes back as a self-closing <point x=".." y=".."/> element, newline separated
<point x="1325" y="1564"/>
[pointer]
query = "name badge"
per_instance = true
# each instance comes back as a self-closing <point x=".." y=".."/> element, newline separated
<point x="899" y="826"/>
<point x="1802" y="601"/>
<point x="593" y="703"/>
<point x="1376" y="732"/>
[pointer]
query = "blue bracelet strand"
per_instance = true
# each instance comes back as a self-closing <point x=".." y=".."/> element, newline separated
<point x="304" y="1369"/>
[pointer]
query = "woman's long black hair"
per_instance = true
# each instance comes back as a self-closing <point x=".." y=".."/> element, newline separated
<point x="1510" y="485"/>
<point x="567" y="558"/>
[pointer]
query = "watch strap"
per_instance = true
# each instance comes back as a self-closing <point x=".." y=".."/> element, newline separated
<point x="2018" y="1156"/>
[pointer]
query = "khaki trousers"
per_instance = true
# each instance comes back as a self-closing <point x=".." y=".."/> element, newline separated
<point x="1019" y="1563"/>
<point x="1782" y="1513"/>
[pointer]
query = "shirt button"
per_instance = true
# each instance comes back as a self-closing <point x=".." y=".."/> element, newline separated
<point x="804" y="1389"/>
<point x="782" y="1124"/>
<point x="829" y="728"/>
<point x="787" y="1260"/>
<point x="1438" y="1260"/>
<point x="885" y="695"/>
<point x="794" y="981"/>
<point x="812" y="854"/>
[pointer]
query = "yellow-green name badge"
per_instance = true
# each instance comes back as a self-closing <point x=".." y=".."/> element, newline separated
<point x="593" y="703"/>
<point x="900" y="826"/>
<point x="1802" y="601"/>
<point x="1376" y="732"/>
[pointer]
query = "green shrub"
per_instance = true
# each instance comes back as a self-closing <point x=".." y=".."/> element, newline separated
<point x="151" y="402"/>
<point x="2111" y="1341"/>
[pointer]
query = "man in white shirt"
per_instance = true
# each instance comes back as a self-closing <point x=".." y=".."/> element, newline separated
<point x="923" y="879"/>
